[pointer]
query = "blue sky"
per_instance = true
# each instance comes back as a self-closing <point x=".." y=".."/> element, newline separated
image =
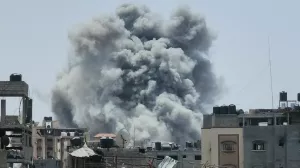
<point x="34" y="42"/>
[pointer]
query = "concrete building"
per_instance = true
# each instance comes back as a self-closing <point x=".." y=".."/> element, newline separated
<point x="262" y="138"/>
<point x="50" y="141"/>
<point x="15" y="130"/>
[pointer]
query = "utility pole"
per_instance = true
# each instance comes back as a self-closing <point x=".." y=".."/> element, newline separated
<point x="133" y="136"/>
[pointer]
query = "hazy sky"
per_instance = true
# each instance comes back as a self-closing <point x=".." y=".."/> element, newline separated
<point x="34" y="42"/>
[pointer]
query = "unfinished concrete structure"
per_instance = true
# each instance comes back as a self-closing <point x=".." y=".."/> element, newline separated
<point x="262" y="138"/>
<point x="17" y="128"/>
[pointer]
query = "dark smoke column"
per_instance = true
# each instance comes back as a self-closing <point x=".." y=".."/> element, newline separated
<point x="131" y="69"/>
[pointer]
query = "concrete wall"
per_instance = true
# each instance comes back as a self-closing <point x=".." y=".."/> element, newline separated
<point x="225" y="120"/>
<point x="3" y="158"/>
<point x="48" y="163"/>
<point x="186" y="159"/>
<point x="210" y="145"/>
<point x="220" y="120"/>
<point x="274" y="156"/>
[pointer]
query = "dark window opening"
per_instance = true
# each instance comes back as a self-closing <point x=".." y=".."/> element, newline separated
<point x="198" y="157"/>
<point x="258" y="146"/>
<point x="184" y="156"/>
<point x="30" y="142"/>
<point x="174" y="157"/>
<point x="160" y="157"/>
<point x="281" y="142"/>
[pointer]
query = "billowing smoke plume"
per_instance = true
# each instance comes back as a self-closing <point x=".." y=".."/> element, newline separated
<point x="134" y="70"/>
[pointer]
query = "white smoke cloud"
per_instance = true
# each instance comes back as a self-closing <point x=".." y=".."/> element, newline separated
<point x="134" y="70"/>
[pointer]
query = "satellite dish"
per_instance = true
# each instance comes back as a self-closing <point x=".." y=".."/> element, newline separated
<point x="123" y="138"/>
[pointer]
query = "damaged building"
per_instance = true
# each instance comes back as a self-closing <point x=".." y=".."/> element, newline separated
<point x="15" y="130"/>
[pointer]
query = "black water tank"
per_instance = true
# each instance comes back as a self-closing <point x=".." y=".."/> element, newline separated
<point x="216" y="110"/>
<point x="298" y="97"/>
<point x="142" y="150"/>
<point x="195" y="145"/>
<point x="76" y="141"/>
<point x="240" y="111"/>
<point x="15" y="77"/>
<point x="157" y="145"/>
<point x="283" y="96"/>
<point x="188" y="144"/>
<point x="48" y="118"/>
<point x="4" y="141"/>
<point x="224" y="109"/>
<point x="232" y="109"/>
<point x="106" y="142"/>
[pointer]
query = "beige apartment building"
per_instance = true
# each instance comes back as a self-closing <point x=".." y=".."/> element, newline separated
<point x="222" y="141"/>
<point x="222" y="147"/>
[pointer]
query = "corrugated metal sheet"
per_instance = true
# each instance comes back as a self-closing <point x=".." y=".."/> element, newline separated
<point x="85" y="151"/>
<point x="167" y="163"/>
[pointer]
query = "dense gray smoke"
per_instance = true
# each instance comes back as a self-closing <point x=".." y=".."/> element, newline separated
<point x="136" y="71"/>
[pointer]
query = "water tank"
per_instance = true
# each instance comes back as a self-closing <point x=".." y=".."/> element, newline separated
<point x="240" y="111"/>
<point x="283" y="96"/>
<point x="298" y="97"/>
<point x="4" y="140"/>
<point x="106" y="142"/>
<point x="216" y="110"/>
<point x="48" y="118"/>
<point x="232" y="109"/>
<point x="166" y="147"/>
<point x="157" y="145"/>
<point x="15" y="77"/>
<point x="76" y="141"/>
<point x="195" y="145"/>
<point x="188" y="144"/>
<point x="224" y="109"/>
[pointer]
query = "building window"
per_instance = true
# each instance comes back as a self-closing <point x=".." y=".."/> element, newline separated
<point x="228" y="146"/>
<point x="198" y="157"/>
<point x="30" y="142"/>
<point x="184" y="156"/>
<point x="258" y="146"/>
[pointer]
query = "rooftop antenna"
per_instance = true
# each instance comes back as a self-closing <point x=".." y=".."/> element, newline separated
<point x="270" y="66"/>
<point x="133" y="135"/>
